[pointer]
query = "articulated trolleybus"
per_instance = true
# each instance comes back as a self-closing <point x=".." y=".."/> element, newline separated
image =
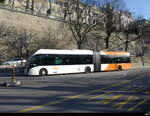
<point x="49" y="62"/>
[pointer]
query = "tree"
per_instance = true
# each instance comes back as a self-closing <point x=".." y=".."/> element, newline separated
<point x="3" y="29"/>
<point x="49" y="40"/>
<point x="55" y="36"/>
<point x="128" y="29"/>
<point x="81" y="19"/>
<point x="49" y="11"/>
<point x="10" y="2"/>
<point x="112" y="12"/>
<point x="19" y="41"/>
<point x="27" y="5"/>
<point x="32" y="6"/>
<point x="141" y="26"/>
<point x="94" y="41"/>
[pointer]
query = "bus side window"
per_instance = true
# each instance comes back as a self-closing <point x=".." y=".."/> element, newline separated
<point x="58" y="60"/>
<point x="122" y="59"/>
<point x="115" y="59"/>
<point x="67" y="60"/>
<point x="88" y="60"/>
<point x="107" y="59"/>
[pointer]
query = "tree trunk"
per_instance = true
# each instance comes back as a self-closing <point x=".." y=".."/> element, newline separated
<point x="27" y="5"/>
<point x="142" y="51"/>
<point x="107" y="42"/>
<point x="126" y="43"/>
<point x="32" y="6"/>
<point x="142" y="60"/>
<point x="79" y="45"/>
<point x="107" y="39"/>
<point x="13" y="3"/>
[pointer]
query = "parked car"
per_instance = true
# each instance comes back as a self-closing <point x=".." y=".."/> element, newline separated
<point x="15" y="61"/>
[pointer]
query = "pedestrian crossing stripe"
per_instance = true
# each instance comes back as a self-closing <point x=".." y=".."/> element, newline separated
<point x="110" y="99"/>
<point x="127" y="101"/>
<point x="137" y="105"/>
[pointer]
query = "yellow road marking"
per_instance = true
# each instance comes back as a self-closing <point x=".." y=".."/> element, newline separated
<point x="108" y="100"/>
<point x="41" y="106"/>
<point x="140" y="103"/>
<point x="129" y="99"/>
<point x="99" y="96"/>
<point x="74" y="97"/>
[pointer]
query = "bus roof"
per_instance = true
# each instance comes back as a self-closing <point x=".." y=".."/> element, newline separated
<point x="77" y="52"/>
<point x="55" y="51"/>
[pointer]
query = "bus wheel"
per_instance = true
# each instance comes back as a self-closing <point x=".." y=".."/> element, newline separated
<point x="87" y="70"/>
<point x="119" y="68"/>
<point x="43" y="72"/>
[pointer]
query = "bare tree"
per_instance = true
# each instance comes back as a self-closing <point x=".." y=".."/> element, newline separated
<point x="49" y="40"/>
<point x="81" y="20"/>
<point x="27" y="5"/>
<point x="32" y="6"/>
<point x="19" y="41"/>
<point x="53" y="37"/>
<point x="49" y="11"/>
<point x="2" y="36"/>
<point x="94" y="41"/>
<point x="141" y="29"/>
<point x="10" y="2"/>
<point x="128" y="29"/>
<point x="112" y="10"/>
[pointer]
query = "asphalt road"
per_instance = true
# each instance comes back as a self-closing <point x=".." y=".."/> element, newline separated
<point x="100" y="92"/>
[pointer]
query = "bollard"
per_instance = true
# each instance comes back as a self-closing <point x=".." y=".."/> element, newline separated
<point x="14" y="82"/>
<point x="13" y="75"/>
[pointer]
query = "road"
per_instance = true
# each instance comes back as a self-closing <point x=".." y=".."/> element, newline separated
<point x="99" y="92"/>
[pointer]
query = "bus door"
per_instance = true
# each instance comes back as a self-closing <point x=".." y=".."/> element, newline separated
<point x="97" y="61"/>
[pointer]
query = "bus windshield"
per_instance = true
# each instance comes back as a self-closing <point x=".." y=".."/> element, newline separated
<point x="34" y="60"/>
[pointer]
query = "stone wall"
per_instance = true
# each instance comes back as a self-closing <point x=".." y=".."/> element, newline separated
<point x="36" y="24"/>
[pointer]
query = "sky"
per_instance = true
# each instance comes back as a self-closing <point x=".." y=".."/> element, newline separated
<point x="139" y="7"/>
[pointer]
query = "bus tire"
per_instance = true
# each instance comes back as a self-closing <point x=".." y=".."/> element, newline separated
<point x="87" y="70"/>
<point x="43" y="72"/>
<point x="119" y="68"/>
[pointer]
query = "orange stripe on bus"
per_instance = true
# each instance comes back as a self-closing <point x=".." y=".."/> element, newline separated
<point x="116" y="53"/>
<point x="125" y="66"/>
<point x="111" y="67"/>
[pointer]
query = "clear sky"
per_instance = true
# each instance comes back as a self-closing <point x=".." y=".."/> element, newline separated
<point x="139" y="7"/>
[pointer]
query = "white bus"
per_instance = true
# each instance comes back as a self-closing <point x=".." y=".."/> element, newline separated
<point x="48" y="62"/>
